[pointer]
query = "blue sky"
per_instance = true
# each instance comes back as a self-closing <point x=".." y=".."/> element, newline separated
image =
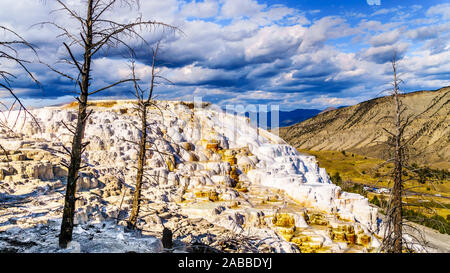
<point x="296" y="54"/>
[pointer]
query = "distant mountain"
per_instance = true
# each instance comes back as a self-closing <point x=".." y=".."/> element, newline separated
<point x="358" y="128"/>
<point x="287" y="118"/>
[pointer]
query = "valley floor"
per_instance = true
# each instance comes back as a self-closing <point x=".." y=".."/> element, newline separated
<point x="367" y="176"/>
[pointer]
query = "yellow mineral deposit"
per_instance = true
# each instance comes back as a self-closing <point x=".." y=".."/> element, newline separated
<point x="210" y="145"/>
<point x="363" y="239"/>
<point x="272" y="198"/>
<point x="234" y="204"/>
<point x="207" y="195"/>
<point x="229" y="155"/>
<point x="240" y="187"/>
<point x="317" y="219"/>
<point x="187" y="146"/>
<point x="308" y="241"/>
<point x="234" y="173"/>
<point x="170" y="162"/>
<point x="284" y="225"/>
<point x="283" y="220"/>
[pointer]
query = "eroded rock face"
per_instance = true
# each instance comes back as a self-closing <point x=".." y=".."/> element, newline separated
<point x="30" y="164"/>
<point x="200" y="163"/>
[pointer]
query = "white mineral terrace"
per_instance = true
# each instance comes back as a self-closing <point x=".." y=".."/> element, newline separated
<point x="201" y="163"/>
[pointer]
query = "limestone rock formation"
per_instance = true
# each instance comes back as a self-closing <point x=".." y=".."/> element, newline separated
<point x="203" y="165"/>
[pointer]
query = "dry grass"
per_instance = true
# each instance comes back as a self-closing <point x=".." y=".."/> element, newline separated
<point x="106" y="104"/>
<point x="366" y="170"/>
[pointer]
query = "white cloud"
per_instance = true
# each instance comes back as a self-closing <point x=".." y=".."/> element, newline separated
<point x="231" y="50"/>
<point x="205" y="9"/>
<point x="192" y="74"/>
<point x="382" y="54"/>
<point x="442" y="10"/>
<point x="427" y="32"/>
<point x="273" y="41"/>
<point x="326" y="28"/>
<point x="386" y="38"/>
<point x="239" y="8"/>
<point x="384" y="11"/>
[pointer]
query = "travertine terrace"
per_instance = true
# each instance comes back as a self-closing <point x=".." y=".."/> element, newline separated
<point x="211" y="176"/>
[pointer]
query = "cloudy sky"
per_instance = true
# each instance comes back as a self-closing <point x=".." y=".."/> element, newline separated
<point x="293" y="53"/>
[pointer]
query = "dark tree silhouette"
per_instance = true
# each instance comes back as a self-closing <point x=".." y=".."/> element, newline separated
<point x="144" y="101"/>
<point x="400" y="234"/>
<point x="9" y="52"/>
<point x="394" y="222"/>
<point x="392" y="241"/>
<point x="96" y="32"/>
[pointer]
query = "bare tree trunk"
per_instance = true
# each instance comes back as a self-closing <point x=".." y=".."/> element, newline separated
<point x="142" y="108"/>
<point x="140" y="170"/>
<point x="77" y="143"/>
<point x="398" y="166"/>
<point x="392" y="241"/>
<point x="95" y="33"/>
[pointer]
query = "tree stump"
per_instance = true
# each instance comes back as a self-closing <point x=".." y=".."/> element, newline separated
<point x="167" y="238"/>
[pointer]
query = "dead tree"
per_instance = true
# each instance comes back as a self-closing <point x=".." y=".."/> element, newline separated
<point x="96" y="31"/>
<point x="392" y="240"/>
<point x="393" y="233"/>
<point x="145" y="99"/>
<point x="10" y="53"/>
<point x="399" y="234"/>
<point x="142" y="108"/>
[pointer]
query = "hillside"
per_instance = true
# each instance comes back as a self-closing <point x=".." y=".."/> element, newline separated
<point x="358" y="128"/>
